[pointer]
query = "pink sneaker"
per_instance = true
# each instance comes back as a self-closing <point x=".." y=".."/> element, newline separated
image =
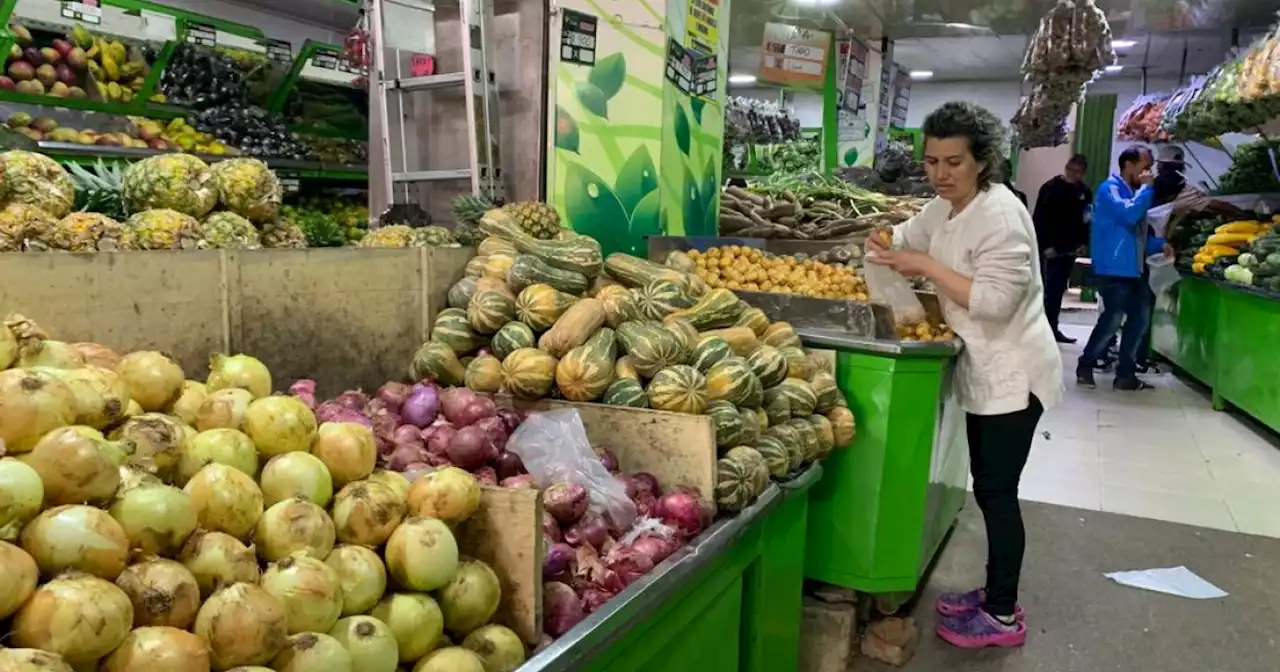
<point x="980" y="630"/>
<point x="956" y="605"/>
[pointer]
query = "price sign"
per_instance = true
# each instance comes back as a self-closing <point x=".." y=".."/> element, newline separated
<point x="87" y="11"/>
<point x="202" y="34"/>
<point x="279" y="51"/>
<point x="578" y="37"/>
<point x="702" y="26"/>
<point x="794" y="57"/>
<point x="422" y="65"/>
<point x="325" y="59"/>
<point x="680" y="66"/>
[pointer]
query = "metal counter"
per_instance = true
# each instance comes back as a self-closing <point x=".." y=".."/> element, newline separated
<point x="844" y="341"/>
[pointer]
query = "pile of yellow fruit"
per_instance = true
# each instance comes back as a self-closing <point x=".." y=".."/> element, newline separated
<point x="738" y="267"/>
<point x="925" y="332"/>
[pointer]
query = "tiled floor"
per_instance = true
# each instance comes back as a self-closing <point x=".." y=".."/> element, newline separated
<point x="1163" y="454"/>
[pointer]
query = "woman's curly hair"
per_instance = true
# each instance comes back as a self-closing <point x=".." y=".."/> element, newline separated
<point x="977" y="124"/>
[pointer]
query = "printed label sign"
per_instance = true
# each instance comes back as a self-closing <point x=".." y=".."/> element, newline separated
<point x="680" y="66"/>
<point x="701" y="26"/>
<point x="87" y="11"/>
<point x="279" y="51"/>
<point x="704" y="76"/>
<point x="422" y="65"/>
<point x="794" y="56"/>
<point x="202" y="34"/>
<point x="578" y="37"/>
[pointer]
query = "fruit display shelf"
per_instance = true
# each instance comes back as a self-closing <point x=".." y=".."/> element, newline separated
<point x="286" y="168"/>
<point x="322" y="86"/>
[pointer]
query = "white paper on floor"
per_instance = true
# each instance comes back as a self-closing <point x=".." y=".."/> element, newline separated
<point x="1178" y="581"/>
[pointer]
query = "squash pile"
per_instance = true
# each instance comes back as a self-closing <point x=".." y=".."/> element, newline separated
<point x="1226" y="241"/>
<point x="552" y="318"/>
<point x="739" y="267"/>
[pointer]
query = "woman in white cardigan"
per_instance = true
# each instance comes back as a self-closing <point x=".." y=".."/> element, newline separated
<point x="976" y="243"/>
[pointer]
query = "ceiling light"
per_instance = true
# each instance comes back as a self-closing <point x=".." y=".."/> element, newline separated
<point x="742" y="79"/>
<point x="921" y="74"/>
<point x="1114" y="68"/>
<point x="1123" y="44"/>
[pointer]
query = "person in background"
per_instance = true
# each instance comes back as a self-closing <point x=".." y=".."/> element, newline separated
<point x="1119" y="244"/>
<point x="975" y="242"/>
<point x="1062" y="227"/>
<point x="1171" y="186"/>
<point x="1008" y="182"/>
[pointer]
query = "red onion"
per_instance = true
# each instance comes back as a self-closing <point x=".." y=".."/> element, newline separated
<point x="405" y="433"/>
<point x="655" y="547"/>
<point x="479" y="408"/>
<point x="647" y="482"/>
<point x="561" y="608"/>
<point x="406" y="453"/>
<point x="305" y="391"/>
<point x="508" y="465"/>
<point x="355" y="400"/>
<point x="628" y="563"/>
<point x="590" y="530"/>
<point x="682" y="510"/>
<point x="511" y="417"/>
<point x="520" y="482"/>
<point x="438" y="437"/>
<point x="566" y="501"/>
<point x="384" y="423"/>
<point x="551" y="529"/>
<point x="593" y="598"/>
<point x="434" y="460"/>
<point x="421" y="406"/>
<point x="470" y="448"/>
<point x="330" y="411"/>
<point x="560" y="560"/>
<point x="609" y="460"/>
<point x="452" y="402"/>
<point x="486" y="476"/>
<point x="629" y="484"/>
<point x="645" y="501"/>
<point x="392" y="395"/>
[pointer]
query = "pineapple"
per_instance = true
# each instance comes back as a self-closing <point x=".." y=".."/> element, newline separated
<point x="163" y="229"/>
<point x="248" y="188"/>
<point x="433" y="236"/>
<point x="467" y="211"/>
<point x="396" y="235"/>
<point x="178" y="182"/>
<point x="227" y="230"/>
<point x="99" y="190"/>
<point x="81" y="232"/>
<point x="35" y="179"/>
<point x="20" y="222"/>
<point x="535" y="218"/>
<point x="281" y="234"/>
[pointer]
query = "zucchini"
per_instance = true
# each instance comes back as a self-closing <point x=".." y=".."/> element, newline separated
<point x="530" y="270"/>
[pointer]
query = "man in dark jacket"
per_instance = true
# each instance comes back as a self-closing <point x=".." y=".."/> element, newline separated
<point x="1062" y="228"/>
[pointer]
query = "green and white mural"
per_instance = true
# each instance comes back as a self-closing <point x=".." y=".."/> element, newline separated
<point x="630" y="154"/>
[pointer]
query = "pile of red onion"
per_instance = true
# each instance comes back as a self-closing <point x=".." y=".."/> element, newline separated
<point x="587" y="563"/>
<point x="424" y="426"/>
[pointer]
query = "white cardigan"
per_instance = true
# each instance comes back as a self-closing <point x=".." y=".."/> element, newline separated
<point x="1009" y="349"/>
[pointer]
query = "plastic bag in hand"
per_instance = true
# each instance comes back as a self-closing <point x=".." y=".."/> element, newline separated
<point x="554" y="448"/>
<point x="887" y="286"/>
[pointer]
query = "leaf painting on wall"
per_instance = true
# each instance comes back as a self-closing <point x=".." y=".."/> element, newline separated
<point x="566" y="131"/>
<point x="696" y="104"/>
<point x="692" y="206"/>
<point x="636" y="179"/>
<point x="710" y="194"/>
<point x="682" y="130"/>
<point x="646" y="220"/>
<point x="608" y="74"/>
<point x="593" y="210"/>
<point x="592" y="99"/>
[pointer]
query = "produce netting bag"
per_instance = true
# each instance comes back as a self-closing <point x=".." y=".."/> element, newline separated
<point x="554" y="448"/>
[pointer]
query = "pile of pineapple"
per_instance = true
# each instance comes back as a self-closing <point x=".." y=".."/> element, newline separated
<point x="165" y="202"/>
<point x="535" y="218"/>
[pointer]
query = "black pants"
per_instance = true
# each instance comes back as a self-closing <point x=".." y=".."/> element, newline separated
<point x="1125" y="301"/>
<point x="998" y="449"/>
<point x="1057" y="274"/>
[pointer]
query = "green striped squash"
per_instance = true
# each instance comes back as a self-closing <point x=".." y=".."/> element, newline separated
<point x="843" y="426"/>
<point x="650" y="346"/>
<point x="454" y="330"/>
<point x="528" y="373"/>
<point x="461" y="292"/>
<point x="484" y="374"/>
<point x="540" y="305"/>
<point x="511" y="337"/>
<point x="728" y="423"/>
<point x="777" y="406"/>
<point x="585" y="372"/>
<point x="626" y="392"/>
<point x="776" y="457"/>
<point x="824" y="385"/>
<point x="759" y="469"/>
<point x="660" y="298"/>
<point x="685" y="333"/>
<point x="755" y="319"/>
<point x="717" y="308"/>
<point x="730" y="380"/>
<point x="780" y="335"/>
<point x="733" y="485"/>
<point x="769" y="365"/>
<point x="436" y="361"/>
<point x="791" y="440"/>
<point x="489" y="310"/>
<point x="797" y="362"/>
<point x="709" y="352"/>
<point x="826" y="434"/>
<point x="680" y="388"/>
<point x="808" y="438"/>
<point x="620" y="305"/>
<point x="750" y="426"/>
<point x="801" y="395"/>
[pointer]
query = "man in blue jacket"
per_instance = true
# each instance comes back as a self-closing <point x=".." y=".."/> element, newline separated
<point x="1119" y="244"/>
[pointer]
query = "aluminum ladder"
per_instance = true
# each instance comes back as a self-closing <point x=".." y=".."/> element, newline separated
<point x="399" y="30"/>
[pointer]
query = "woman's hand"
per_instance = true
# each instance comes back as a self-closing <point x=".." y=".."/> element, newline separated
<point x="880" y="240"/>
<point x="906" y="262"/>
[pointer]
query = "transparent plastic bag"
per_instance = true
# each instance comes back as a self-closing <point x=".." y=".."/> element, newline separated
<point x="887" y="286"/>
<point x="554" y="448"/>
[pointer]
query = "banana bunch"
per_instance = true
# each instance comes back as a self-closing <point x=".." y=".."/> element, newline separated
<point x="118" y="71"/>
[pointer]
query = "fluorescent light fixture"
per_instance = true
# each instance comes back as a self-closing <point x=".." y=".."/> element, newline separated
<point x="1123" y="44"/>
<point x="1114" y="68"/>
<point x="742" y="79"/>
<point x="921" y="74"/>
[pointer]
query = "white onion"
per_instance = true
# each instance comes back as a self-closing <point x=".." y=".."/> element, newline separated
<point x="79" y="538"/>
<point x="96" y="354"/>
<point x="362" y="575"/>
<point x="392" y="479"/>
<point x="309" y="589"/>
<point x="158" y="439"/>
<point x="347" y="449"/>
<point x="370" y="643"/>
<point x="239" y="371"/>
<point x="8" y="348"/>
<point x="163" y="592"/>
<point x="101" y="397"/>
<point x="451" y="659"/>
<point x="31" y="404"/>
<point x="243" y="625"/>
<point x="226" y="500"/>
<point x="311" y="652"/>
<point x="158" y="518"/>
<point x="280" y="424"/>
<point x="422" y="554"/>
<point x="48" y="354"/>
<point x="20" y="576"/>
<point x="415" y="621"/>
<point x="80" y="617"/>
<point x="76" y="468"/>
<point x="158" y="649"/>
<point x="497" y="646"/>
<point x="32" y="660"/>
<point x="223" y="409"/>
<point x="294" y="526"/>
<point x="21" y="496"/>
<point x="217" y="559"/>
<point x="366" y="513"/>
<point x="217" y="446"/>
<point x="296" y="475"/>
<point x="154" y="380"/>
<point x="189" y="401"/>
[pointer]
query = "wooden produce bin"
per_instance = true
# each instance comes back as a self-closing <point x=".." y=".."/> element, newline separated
<point x="506" y="532"/>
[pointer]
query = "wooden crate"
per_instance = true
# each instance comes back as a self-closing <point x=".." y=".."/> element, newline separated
<point x="506" y="532"/>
